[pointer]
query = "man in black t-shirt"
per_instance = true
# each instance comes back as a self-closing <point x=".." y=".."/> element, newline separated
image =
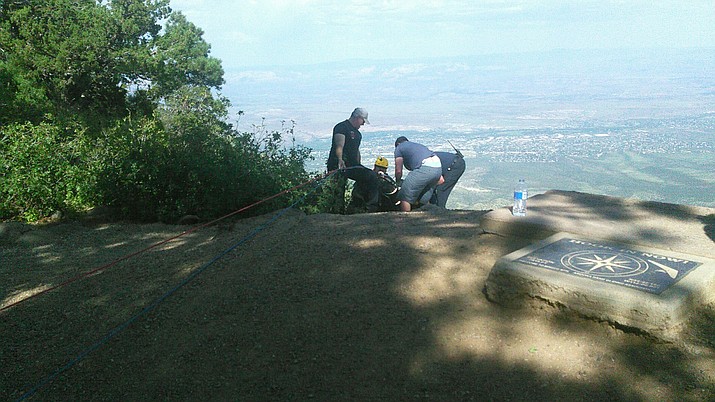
<point x="345" y="153"/>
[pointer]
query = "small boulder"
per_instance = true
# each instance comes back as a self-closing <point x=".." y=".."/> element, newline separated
<point x="188" y="220"/>
<point x="101" y="214"/>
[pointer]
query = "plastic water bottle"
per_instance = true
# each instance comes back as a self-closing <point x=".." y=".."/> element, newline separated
<point x="520" y="196"/>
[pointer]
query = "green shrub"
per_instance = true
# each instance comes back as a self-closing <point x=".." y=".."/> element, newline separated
<point x="191" y="165"/>
<point x="132" y="154"/>
<point x="45" y="168"/>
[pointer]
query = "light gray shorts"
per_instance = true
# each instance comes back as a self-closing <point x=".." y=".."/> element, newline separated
<point x="418" y="181"/>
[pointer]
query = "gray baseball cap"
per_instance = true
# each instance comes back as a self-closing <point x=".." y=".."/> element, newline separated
<point x="360" y="112"/>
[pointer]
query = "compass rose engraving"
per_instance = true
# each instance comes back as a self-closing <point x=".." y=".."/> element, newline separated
<point x="605" y="264"/>
<point x="647" y="271"/>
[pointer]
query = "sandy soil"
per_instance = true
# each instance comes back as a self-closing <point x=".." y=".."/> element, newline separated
<point x="383" y="306"/>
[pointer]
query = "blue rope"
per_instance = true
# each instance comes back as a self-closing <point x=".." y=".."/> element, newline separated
<point x="118" y="329"/>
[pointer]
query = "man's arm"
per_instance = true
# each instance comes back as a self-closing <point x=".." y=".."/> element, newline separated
<point x="398" y="168"/>
<point x="339" y="144"/>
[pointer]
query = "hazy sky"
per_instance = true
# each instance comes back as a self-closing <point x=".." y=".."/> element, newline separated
<point x="283" y="32"/>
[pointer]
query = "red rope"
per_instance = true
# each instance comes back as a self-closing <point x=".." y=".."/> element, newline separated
<point x="128" y="256"/>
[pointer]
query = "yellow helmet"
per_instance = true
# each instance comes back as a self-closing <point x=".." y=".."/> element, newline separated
<point x="381" y="161"/>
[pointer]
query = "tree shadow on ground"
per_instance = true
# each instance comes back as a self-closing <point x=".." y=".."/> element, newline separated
<point x="325" y="307"/>
<point x="709" y="228"/>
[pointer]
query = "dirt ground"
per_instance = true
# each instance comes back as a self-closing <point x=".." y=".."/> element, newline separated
<point x="386" y="306"/>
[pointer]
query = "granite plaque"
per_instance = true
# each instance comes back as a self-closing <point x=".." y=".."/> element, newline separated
<point x="610" y="263"/>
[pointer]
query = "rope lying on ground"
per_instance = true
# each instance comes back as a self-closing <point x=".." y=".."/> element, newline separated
<point x="128" y="256"/>
<point x="118" y="329"/>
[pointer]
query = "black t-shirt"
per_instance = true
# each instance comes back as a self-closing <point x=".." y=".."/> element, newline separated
<point x="353" y="137"/>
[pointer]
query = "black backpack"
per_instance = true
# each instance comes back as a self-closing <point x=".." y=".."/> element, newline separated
<point x="388" y="193"/>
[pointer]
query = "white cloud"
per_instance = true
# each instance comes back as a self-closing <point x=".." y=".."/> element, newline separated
<point x="404" y="70"/>
<point x="254" y="76"/>
<point x="241" y="37"/>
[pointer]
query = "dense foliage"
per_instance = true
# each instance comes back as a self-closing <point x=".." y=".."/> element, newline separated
<point x="103" y="105"/>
